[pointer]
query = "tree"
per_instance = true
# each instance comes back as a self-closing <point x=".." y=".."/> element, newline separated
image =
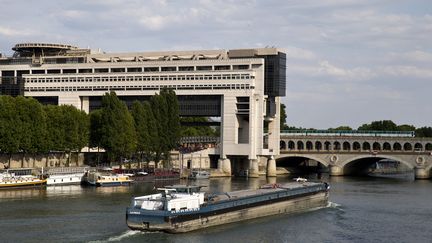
<point x="160" y="112"/>
<point x="341" y="128"/>
<point x="96" y="131"/>
<point x="173" y="123"/>
<point x="423" y="132"/>
<point x="9" y="140"/>
<point x="117" y="128"/>
<point x="76" y="124"/>
<point x="142" y="131"/>
<point x="406" y="128"/>
<point x="154" y="140"/>
<point x="55" y="138"/>
<point x="384" y="125"/>
<point x="283" y="116"/>
<point x="31" y="125"/>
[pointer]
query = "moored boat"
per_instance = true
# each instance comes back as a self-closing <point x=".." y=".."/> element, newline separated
<point x="11" y="180"/>
<point x="179" y="209"/>
<point x="201" y="174"/>
<point x="65" y="175"/>
<point x="100" y="178"/>
<point x="149" y="175"/>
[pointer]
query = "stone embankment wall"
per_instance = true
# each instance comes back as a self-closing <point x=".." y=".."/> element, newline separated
<point x="38" y="161"/>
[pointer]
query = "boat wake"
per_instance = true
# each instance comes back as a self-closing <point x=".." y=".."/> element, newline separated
<point x="122" y="236"/>
<point x="334" y="205"/>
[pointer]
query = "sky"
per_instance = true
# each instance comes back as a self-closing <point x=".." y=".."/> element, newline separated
<point x="349" y="62"/>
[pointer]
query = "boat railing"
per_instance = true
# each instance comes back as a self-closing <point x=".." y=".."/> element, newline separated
<point x="65" y="170"/>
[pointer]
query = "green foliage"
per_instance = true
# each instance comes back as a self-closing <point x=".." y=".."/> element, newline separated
<point x="283" y="116"/>
<point x="28" y="127"/>
<point x="191" y="131"/>
<point x="118" y="136"/>
<point x="9" y="131"/>
<point x="384" y="125"/>
<point x="406" y="128"/>
<point x="173" y="116"/>
<point x="423" y="132"/>
<point x="76" y="125"/>
<point x="95" y="128"/>
<point x="140" y="121"/>
<point x="153" y="143"/>
<point x="341" y="128"/>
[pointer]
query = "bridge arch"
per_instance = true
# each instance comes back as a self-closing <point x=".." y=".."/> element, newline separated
<point x="346" y="146"/>
<point x="307" y="156"/>
<point x="318" y="145"/>
<point x="336" y="146"/>
<point x="309" y="145"/>
<point x="300" y="145"/>
<point x="376" y="146"/>
<point x="356" y="146"/>
<point x="291" y="145"/>
<point x="428" y="147"/>
<point x="397" y="146"/>
<point x="407" y="147"/>
<point x="282" y="145"/>
<point x="327" y="145"/>
<point x="409" y="165"/>
<point x="386" y="146"/>
<point x="366" y="146"/>
<point x="362" y="162"/>
<point x="418" y="146"/>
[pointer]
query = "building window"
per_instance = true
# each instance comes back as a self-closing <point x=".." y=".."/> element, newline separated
<point x="186" y="68"/>
<point x="151" y="69"/>
<point x="204" y="68"/>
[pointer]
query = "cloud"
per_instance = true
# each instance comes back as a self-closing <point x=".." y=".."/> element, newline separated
<point x="299" y="53"/>
<point x="340" y="53"/>
<point x="407" y="71"/>
<point x="10" y="32"/>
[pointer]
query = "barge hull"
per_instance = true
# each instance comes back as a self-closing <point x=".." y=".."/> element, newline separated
<point x="295" y="205"/>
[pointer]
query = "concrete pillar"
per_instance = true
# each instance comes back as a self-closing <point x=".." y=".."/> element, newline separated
<point x="85" y="104"/>
<point x="422" y="173"/>
<point x="271" y="167"/>
<point x="336" y="170"/>
<point x="253" y="168"/>
<point x="274" y="130"/>
<point x="224" y="166"/>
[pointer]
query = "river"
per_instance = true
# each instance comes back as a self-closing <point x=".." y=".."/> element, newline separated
<point x="361" y="210"/>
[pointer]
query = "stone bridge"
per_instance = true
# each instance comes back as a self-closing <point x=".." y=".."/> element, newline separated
<point x="350" y="153"/>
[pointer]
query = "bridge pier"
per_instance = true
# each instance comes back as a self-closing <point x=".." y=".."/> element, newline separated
<point x="224" y="166"/>
<point x="253" y="168"/>
<point x="271" y="167"/>
<point x="421" y="173"/>
<point x="336" y="170"/>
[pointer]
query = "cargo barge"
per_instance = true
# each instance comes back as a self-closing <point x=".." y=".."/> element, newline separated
<point x="178" y="209"/>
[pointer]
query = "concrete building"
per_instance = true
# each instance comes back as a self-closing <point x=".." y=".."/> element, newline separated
<point x="243" y="87"/>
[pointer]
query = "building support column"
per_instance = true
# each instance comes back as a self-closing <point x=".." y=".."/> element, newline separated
<point x="224" y="166"/>
<point x="336" y="170"/>
<point x="271" y="167"/>
<point x="421" y="173"/>
<point x="253" y="168"/>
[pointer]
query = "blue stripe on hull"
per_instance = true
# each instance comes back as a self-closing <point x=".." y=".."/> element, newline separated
<point x="114" y="183"/>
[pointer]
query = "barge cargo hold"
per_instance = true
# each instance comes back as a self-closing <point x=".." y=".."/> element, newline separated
<point x="179" y="209"/>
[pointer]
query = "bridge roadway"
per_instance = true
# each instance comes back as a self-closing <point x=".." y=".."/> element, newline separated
<point x="348" y="154"/>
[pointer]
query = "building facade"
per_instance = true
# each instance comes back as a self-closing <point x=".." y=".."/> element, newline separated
<point x="243" y="87"/>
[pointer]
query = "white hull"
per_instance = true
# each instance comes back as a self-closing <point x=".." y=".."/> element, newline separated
<point x="66" y="179"/>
